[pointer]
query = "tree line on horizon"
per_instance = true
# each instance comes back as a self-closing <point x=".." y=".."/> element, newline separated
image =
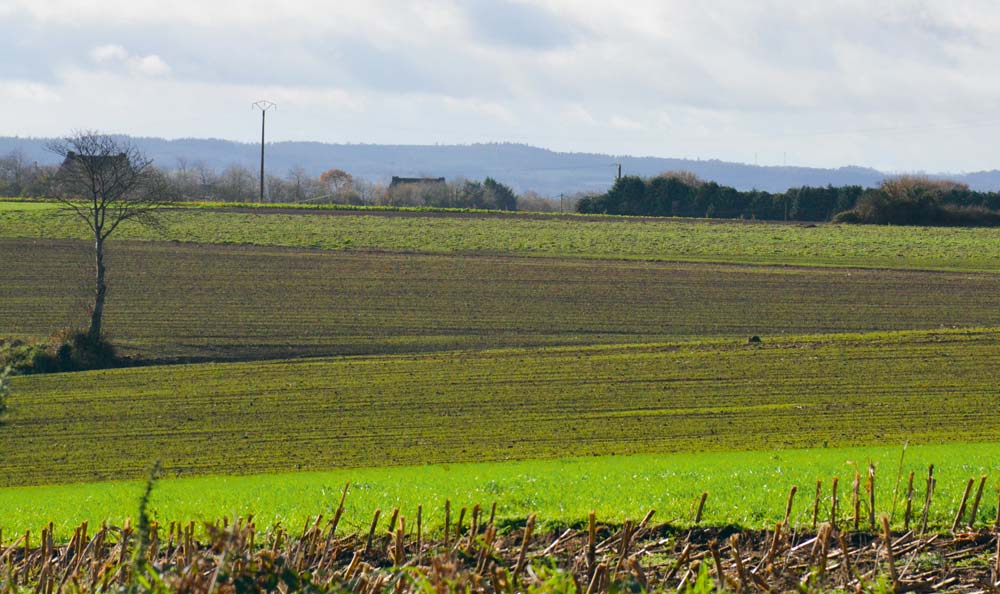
<point x="902" y="200"/>
<point x="194" y="181"/>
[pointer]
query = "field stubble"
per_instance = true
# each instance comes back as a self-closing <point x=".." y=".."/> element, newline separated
<point x="638" y="556"/>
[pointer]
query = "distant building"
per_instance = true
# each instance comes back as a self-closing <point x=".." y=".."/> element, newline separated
<point x="402" y="181"/>
<point x="94" y="162"/>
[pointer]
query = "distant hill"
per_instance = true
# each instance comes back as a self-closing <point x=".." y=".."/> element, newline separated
<point x="521" y="166"/>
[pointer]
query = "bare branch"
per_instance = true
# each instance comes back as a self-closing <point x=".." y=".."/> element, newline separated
<point x="105" y="181"/>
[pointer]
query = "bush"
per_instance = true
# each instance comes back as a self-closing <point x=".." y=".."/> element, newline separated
<point x="69" y="350"/>
<point x="918" y="200"/>
<point x="878" y="208"/>
<point x="848" y="216"/>
<point x="19" y="356"/>
<point x="4" y="390"/>
<point x="532" y="202"/>
<point x="971" y="216"/>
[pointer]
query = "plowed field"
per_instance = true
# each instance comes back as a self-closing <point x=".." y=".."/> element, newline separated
<point x="171" y="300"/>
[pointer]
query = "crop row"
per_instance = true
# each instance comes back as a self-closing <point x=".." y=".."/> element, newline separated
<point x="243" y="418"/>
<point x="171" y="300"/>
<point x="641" y="239"/>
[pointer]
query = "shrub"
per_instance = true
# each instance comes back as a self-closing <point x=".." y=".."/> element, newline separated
<point x="78" y="351"/>
<point x="68" y="350"/>
<point x="848" y="216"/>
<point x="532" y="202"/>
<point x="19" y="356"/>
<point x="879" y="208"/>
<point x="971" y="216"/>
<point x="916" y="200"/>
<point x="4" y="391"/>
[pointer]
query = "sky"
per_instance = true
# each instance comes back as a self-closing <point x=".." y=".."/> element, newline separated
<point x="900" y="85"/>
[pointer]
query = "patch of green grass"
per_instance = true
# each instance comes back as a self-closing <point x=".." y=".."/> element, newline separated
<point x="246" y="418"/>
<point x="749" y="489"/>
<point x="172" y="300"/>
<point x="26" y="205"/>
<point x="589" y="237"/>
<point x="305" y="206"/>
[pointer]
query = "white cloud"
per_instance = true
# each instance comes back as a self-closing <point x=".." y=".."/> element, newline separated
<point x="26" y="91"/>
<point x="307" y="97"/>
<point x="580" y="114"/>
<point x="725" y="79"/>
<point x="624" y="123"/>
<point x="487" y="109"/>
<point x="151" y="65"/>
<point x="113" y="55"/>
<point x="108" y="53"/>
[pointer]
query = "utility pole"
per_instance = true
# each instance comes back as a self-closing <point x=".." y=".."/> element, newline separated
<point x="263" y="106"/>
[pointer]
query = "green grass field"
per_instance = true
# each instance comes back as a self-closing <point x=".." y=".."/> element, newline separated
<point x="172" y="300"/>
<point x="577" y="236"/>
<point x="501" y="358"/>
<point x="748" y="489"/>
<point x="316" y="414"/>
<point x="10" y="206"/>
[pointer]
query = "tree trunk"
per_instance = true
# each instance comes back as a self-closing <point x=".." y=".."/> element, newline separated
<point x="101" y="290"/>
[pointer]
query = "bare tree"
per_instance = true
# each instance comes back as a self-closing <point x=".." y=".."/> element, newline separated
<point x="183" y="181"/>
<point x="277" y="189"/>
<point x="105" y="181"/>
<point x="235" y="184"/>
<point x="13" y="173"/>
<point x="368" y="192"/>
<point x="299" y="184"/>
<point x="904" y="187"/>
<point x="207" y="180"/>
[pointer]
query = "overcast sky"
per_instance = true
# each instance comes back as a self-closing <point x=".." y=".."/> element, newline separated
<point x="898" y="85"/>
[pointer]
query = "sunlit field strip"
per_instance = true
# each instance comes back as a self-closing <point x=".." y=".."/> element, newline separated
<point x="317" y="414"/>
<point x="578" y="236"/>
<point x="748" y="489"/>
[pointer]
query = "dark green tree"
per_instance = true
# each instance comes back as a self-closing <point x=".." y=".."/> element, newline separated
<point x="502" y="196"/>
